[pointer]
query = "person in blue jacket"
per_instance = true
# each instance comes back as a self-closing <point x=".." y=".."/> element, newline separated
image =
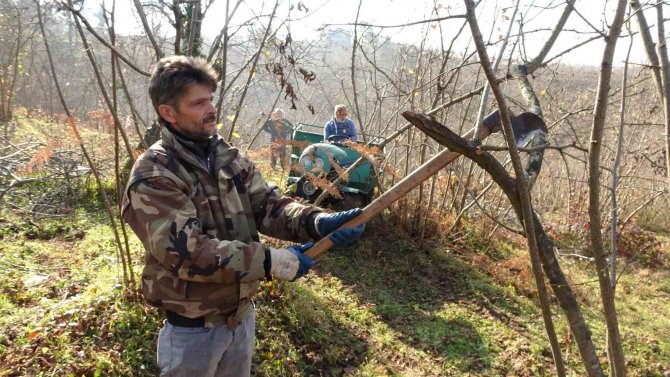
<point x="340" y="125"/>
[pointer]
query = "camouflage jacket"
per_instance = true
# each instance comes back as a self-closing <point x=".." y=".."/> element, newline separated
<point x="198" y="216"/>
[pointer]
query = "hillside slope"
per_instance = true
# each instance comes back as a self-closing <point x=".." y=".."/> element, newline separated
<point x="390" y="305"/>
<point x="386" y="306"/>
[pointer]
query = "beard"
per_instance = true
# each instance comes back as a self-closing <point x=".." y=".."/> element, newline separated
<point x="197" y="131"/>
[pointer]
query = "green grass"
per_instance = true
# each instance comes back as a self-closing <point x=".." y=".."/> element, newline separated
<point x="382" y="308"/>
<point x="388" y="306"/>
<point x="64" y="309"/>
<point x="642" y="299"/>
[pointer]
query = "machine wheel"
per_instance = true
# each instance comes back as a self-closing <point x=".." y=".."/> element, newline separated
<point x="307" y="190"/>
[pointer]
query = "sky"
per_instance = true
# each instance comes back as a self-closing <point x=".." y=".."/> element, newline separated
<point x="309" y="17"/>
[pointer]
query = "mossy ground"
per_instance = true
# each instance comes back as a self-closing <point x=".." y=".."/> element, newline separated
<point x="390" y="305"/>
<point x="385" y="306"/>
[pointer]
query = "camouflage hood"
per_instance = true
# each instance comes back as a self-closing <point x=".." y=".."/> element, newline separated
<point x="197" y="212"/>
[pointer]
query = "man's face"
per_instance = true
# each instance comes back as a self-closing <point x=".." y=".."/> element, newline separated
<point x="341" y="115"/>
<point x="194" y="115"/>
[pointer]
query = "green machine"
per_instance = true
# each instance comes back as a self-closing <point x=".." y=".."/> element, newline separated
<point x="312" y="163"/>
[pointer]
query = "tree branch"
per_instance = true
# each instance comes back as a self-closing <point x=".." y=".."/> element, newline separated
<point x="102" y="40"/>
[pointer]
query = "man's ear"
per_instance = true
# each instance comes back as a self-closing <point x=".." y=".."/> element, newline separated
<point x="168" y="113"/>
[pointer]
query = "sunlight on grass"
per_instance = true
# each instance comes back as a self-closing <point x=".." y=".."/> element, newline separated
<point x="399" y="337"/>
<point x="65" y="297"/>
<point x="383" y="307"/>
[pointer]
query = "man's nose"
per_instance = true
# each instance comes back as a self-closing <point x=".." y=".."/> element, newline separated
<point x="210" y="108"/>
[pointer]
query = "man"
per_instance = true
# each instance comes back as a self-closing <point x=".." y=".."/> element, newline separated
<point x="340" y="126"/>
<point x="197" y="204"/>
<point x="280" y="131"/>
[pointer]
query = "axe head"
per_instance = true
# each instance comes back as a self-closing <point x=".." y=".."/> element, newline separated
<point x="525" y="125"/>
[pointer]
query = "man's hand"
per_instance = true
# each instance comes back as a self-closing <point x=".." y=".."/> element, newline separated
<point x="290" y="263"/>
<point x="327" y="223"/>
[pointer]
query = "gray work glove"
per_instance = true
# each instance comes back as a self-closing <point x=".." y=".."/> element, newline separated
<point x="290" y="263"/>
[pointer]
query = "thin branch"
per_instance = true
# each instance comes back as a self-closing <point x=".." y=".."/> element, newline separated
<point x="102" y="40"/>
<point x="535" y="149"/>
<point x="398" y="25"/>
<point x="252" y="72"/>
<point x="147" y="30"/>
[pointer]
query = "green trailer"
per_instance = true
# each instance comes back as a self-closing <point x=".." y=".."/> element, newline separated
<point x="312" y="166"/>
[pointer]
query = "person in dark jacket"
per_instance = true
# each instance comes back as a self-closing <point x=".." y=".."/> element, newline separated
<point x="280" y="130"/>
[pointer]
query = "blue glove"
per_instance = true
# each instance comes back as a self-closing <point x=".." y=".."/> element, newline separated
<point x="305" y="262"/>
<point x="329" y="222"/>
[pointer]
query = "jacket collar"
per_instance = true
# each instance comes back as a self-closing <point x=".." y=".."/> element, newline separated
<point x="338" y="122"/>
<point x="197" y="153"/>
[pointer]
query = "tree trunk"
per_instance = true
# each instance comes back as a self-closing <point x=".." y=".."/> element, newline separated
<point x="665" y="75"/>
<point x="615" y="349"/>
<point x="560" y="286"/>
<point x="522" y="187"/>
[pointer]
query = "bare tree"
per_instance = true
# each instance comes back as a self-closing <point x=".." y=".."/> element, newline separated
<point x="256" y="56"/>
<point x="545" y="244"/>
<point x="659" y="64"/>
<point x="615" y="348"/>
<point x="13" y="27"/>
<point x="101" y="84"/>
<point x="521" y="184"/>
<point x="145" y="24"/>
<point x="124" y="253"/>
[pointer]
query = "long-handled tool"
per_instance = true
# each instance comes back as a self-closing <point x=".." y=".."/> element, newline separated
<point x="490" y="124"/>
<point x="420" y="174"/>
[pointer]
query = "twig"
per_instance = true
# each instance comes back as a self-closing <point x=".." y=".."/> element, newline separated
<point x="102" y="40"/>
<point x="395" y="26"/>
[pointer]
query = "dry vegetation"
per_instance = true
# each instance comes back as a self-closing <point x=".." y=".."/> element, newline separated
<point x="432" y="303"/>
<point x="440" y="284"/>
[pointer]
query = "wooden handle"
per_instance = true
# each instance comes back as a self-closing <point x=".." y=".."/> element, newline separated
<point x="396" y="192"/>
<point x="420" y="174"/>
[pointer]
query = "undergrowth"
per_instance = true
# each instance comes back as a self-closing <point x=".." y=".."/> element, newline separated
<point x="386" y="306"/>
<point x="403" y="301"/>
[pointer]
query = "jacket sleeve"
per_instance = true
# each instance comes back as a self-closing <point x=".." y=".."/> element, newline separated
<point x="328" y="130"/>
<point x="289" y="125"/>
<point x="352" y="130"/>
<point x="162" y="215"/>
<point x="269" y="127"/>
<point x="277" y="215"/>
<point x="288" y="129"/>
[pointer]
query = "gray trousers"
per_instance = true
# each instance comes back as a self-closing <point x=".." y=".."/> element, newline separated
<point x="207" y="352"/>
